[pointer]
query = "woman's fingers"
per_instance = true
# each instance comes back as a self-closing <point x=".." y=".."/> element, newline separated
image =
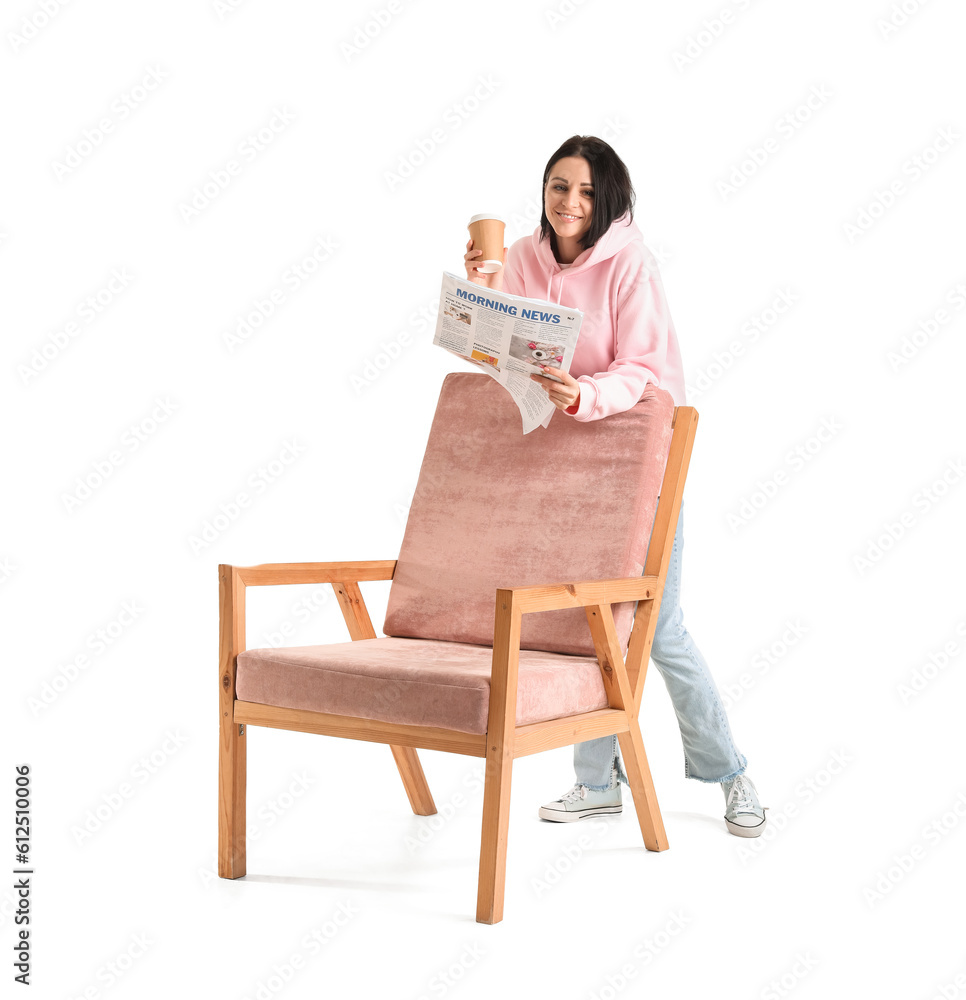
<point x="564" y="377"/>
<point x="492" y="280"/>
<point x="562" y="396"/>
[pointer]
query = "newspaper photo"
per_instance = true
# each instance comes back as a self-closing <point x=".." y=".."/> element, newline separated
<point x="509" y="337"/>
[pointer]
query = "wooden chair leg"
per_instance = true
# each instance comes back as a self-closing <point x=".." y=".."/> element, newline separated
<point x="642" y="788"/>
<point x="232" y="772"/>
<point x="417" y="788"/>
<point x="496" y="821"/>
<point x="501" y="727"/>
<point x="232" y="744"/>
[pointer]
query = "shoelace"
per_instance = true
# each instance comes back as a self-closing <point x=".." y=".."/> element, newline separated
<point x="577" y="792"/>
<point x="740" y="797"/>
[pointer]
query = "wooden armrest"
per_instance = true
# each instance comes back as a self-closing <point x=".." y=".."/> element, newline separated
<point x="273" y="574"/>
<point x="554" y="596"/>
<point x="344" y="577"/>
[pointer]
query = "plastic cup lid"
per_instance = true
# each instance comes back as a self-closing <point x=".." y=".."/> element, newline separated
<point x="487" y="215"/>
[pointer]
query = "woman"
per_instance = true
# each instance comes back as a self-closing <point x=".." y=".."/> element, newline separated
<point x="589" y="254"/>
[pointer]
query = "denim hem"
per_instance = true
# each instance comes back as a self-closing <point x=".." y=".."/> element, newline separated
<point x="586" y="766"/>
<point x="717" y="781"/>
<point x="621" y="776"/>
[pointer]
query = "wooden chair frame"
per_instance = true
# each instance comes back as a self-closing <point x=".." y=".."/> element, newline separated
<point x="503" y="741"/>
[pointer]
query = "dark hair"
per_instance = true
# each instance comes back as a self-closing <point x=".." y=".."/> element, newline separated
<point x="613" y="193"/>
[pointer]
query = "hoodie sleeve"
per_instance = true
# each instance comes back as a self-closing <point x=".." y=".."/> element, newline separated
<point x="641" y="345"/>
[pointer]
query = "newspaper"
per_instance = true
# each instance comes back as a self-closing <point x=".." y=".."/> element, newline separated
<point x="509" y="337"/>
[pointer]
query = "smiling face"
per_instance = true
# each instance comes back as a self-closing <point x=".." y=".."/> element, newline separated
<point x="568" y="200"/>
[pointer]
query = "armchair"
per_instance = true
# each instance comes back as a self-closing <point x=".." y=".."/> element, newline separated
<point x="485" y="651"/>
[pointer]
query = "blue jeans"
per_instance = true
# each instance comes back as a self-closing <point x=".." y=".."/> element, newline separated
<point x="709" y="751"/>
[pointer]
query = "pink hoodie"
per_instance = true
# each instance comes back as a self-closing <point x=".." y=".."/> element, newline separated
<point x="627" y="337"/>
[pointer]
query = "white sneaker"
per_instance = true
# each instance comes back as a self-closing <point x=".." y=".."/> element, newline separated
<point x="744" y="815"/>
<point x="581" y="802"/>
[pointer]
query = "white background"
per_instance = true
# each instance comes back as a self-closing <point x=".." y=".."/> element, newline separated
<point x="860" y="777"/>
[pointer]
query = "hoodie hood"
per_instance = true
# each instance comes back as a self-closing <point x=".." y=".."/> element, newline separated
<point x="618" y="235"/>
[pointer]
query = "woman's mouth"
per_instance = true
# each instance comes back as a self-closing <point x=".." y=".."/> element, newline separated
<point x="568" y="218"/>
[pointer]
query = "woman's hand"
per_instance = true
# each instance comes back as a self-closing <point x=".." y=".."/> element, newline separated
<point x="562" y="396"/>
<point x="494" y="280"/>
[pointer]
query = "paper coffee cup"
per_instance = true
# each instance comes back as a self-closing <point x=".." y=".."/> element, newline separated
<point x="486" y="231"/>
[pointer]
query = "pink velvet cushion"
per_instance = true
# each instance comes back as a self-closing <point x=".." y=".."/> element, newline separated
<point x="495" y="508"/>
<point x="420" y="682"/>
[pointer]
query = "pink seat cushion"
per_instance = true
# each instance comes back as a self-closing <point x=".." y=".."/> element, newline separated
<point x="420" y="682"/>
<point x="495" y="508"/>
